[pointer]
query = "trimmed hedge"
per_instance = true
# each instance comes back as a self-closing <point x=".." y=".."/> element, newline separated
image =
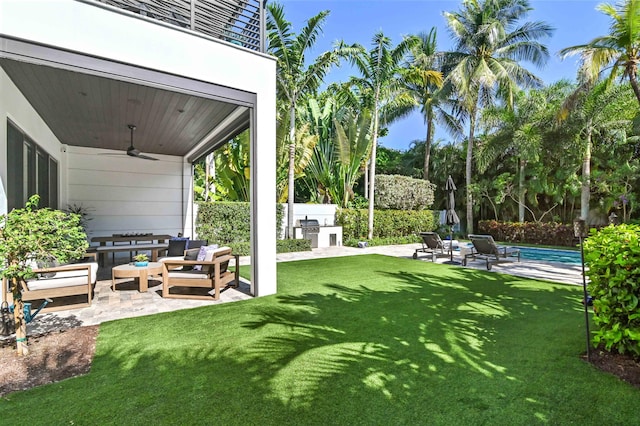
<point x="613" y="256"/>
<point x="547" y="233"/>
<point x="386" y="223"/>
<point x="409" y="239"/>
<point x="403" y="193"/>
<point x="228" y="223"/>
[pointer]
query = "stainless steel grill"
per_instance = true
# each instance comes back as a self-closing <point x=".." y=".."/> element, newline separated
<point x="309" y="226"/>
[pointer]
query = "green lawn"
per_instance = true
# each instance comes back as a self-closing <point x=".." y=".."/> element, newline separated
<point x="354" y="340"/>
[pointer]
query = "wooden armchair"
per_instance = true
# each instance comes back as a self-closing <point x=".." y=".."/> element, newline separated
<point x="213" y="274"/>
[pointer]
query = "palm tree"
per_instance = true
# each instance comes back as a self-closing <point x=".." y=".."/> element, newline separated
<point x="294" y="77"/>
<point x="380" y="80"/>
<point x="485" y="61"/>
<point x="424" y="81"/>
<point x="619" y="50"/>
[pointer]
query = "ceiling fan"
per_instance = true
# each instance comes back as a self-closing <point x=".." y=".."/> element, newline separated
<point x="132" y="151"/>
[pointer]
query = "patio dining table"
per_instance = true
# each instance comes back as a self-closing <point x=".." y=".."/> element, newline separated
<point x="136" y="242"/>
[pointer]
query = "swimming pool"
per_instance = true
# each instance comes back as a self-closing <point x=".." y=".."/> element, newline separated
<point x="550" y="255"/>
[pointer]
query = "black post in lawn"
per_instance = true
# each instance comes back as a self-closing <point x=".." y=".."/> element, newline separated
<point x="580" y="231"/>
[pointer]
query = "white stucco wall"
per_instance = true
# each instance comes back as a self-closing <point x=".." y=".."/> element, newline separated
<point x="15" y="107"/>
<point x="86" y="28"/>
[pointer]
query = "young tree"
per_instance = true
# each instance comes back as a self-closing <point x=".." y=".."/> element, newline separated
<point x="31" y="234"/>
<point x="485" y="62"/>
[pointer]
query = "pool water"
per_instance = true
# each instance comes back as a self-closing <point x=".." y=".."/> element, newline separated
<point x="550" y="255"/>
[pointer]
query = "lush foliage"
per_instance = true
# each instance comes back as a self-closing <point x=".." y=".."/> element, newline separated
<point x="532" y="153"/>
<point x="397" y="192"/>
<point x="545" y="233"/>
<point x="232" y="169"/>
<point x="38" y="234"/>
<point x="613" y="256"/>
<point x="223" y="223"/>
<point x="388" y="223"/>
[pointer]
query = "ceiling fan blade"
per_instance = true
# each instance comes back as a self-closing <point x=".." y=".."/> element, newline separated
<point x="146" y="157"/>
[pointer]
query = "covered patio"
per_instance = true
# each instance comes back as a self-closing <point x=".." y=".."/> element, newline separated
<point x="76" y="75"/>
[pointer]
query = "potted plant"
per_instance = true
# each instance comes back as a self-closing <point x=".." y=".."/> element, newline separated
<point x="141" y="259"/>
<point x="31" y="234"/>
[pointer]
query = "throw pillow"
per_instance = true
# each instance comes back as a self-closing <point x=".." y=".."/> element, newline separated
<point x="202" y="254"/>
<point x="177" y="247"/>
<point x="190" y="254"/>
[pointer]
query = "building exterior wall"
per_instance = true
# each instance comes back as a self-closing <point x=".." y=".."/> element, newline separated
<point x="124" y="194"/>
<point x="85" y="28"/>
<point x="15" y="107"/>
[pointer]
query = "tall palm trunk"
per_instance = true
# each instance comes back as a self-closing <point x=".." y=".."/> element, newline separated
<point x="372" y="178"/>
<point x="633" y="79"/>
<point x="468" y="176"/>
<point x="292" y="164"/>
<point x="427" y="143"/>
<point x="585" y="194"/>
<point x="366" y="181"/>
<point x="521" y="191"/>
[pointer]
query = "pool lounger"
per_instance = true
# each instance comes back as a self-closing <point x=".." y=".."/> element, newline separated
<point x="484" y="247"/>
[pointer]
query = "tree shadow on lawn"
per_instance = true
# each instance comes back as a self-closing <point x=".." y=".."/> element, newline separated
<point x="395" y="343"/>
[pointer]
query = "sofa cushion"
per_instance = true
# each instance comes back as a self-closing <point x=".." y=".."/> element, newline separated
<point x="64" y="278"/>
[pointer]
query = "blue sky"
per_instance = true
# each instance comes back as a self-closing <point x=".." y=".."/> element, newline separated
<point x="356" y="21"/>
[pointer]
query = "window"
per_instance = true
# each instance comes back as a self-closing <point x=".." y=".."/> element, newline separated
<point x="30" y="170"/>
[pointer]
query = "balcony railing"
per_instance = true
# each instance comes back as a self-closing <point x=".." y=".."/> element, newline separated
<point x="240" y="22"/>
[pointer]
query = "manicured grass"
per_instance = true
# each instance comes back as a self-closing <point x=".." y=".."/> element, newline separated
<point x="353" y="340"/>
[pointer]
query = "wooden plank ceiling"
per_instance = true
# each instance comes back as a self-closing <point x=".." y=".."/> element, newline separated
<point x="90" y="111"/>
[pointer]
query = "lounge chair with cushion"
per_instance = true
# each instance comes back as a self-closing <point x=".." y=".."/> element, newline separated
<point x="432" y="244"/>
<point x="181" y="282"/>
<point x="484" y="247"/>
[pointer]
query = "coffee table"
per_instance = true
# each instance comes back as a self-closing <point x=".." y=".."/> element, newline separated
<point x="142" y="273"/>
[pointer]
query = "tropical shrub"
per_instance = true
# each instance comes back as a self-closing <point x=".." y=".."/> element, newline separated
<point x="403" y="193"/>
<point x="613" y="256"/>
<point x="387" y="223"/>
<point x="547" y="233"/>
